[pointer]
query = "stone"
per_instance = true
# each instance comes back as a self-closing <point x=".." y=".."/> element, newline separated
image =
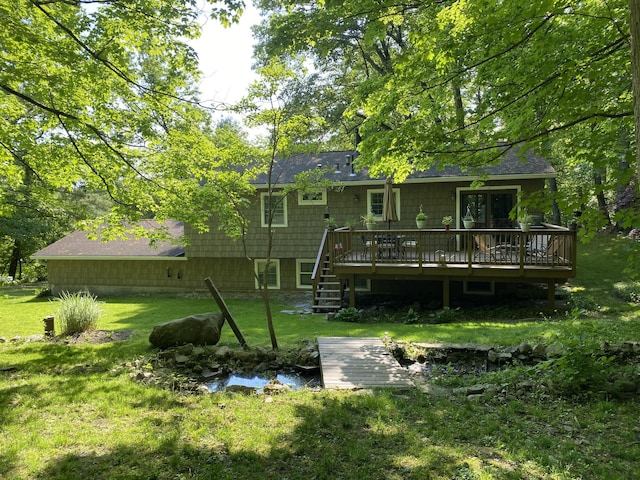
<point x="240" y="389"/>
<point x="275" y="386"/>
<point x="492" y="356"/>
<point x="38" y="337"/>
<point x="203" y="389"/>
<point x="222" y="352"/>
<point x="199" y="329"/>
<point x="525" y="348"/>
<point x="539" y="351"/>
<point x="182" y="358"/>
<point x="185" y="349"/>
<point x="3" y="339"/>
<point x="554" y="350"/>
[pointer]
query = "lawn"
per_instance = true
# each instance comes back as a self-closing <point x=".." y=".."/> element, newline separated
<point x="73" y="411"/>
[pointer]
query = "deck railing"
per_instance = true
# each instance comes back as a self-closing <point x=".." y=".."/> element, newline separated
<point x="542" y="247"/>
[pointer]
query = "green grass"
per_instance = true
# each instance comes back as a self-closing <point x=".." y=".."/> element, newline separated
<point x="72" y="411"/>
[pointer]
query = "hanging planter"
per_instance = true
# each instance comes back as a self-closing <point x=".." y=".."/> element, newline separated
<point x="468" y="220"/>
<point x="421" y="219"/>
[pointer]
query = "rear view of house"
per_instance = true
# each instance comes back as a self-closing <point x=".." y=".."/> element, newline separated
<point x="395" y="257"/>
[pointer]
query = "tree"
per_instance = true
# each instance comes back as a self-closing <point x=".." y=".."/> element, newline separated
<point x="102" y="92"/>
<point x="268" y="106"/>
<point x="460" y="82"/>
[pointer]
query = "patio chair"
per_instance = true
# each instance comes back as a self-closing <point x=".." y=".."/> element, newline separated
<point x="483" y="242"/>
<point x="367" y="242"/>
<point x="556" y="248"/>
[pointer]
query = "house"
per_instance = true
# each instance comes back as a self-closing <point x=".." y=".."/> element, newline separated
<point x="308" y="257"/>
<point x="116" y="267"/>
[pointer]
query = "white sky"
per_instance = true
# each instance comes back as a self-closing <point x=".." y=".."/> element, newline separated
<point x="225" y="58"/>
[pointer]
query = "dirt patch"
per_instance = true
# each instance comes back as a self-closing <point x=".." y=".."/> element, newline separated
<point x="96" y="337"/>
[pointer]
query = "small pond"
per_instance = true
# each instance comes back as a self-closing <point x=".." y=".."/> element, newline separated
<point x="293" y="380"/>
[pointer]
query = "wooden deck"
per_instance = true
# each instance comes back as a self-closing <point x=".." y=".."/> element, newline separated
<point x="359" y="363"/>
<point x="543" y="255"/>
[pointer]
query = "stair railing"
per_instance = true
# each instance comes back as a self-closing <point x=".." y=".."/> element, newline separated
<point x="322" y="253"/>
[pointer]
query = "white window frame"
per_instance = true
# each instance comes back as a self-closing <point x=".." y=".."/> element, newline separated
<point x="264" y="196"/>
<point x="257" y="263"/>
<point x="370" y="192"/>
<point x="303" y="197"/>
<point x="299" y="272"/>
<point x="367" y="288"/>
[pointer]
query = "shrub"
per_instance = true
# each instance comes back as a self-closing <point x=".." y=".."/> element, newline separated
<point x="446" y="315"/>
<point x="627" y="291"/>
<point x="77" y="312"/>
<point x="348" y="315"/>
<point x="412" y="317"/>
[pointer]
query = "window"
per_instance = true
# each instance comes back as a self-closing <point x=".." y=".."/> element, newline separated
<point x="362" y="284"/>
<point x="278" y="209"/>
<point x="478" y="288"/>
<point x="304" y="270"/>
<point x="273" y="274"/>
<point x="375" y="200"/>
<point x="318" y="197"/>
<point x="490" y="207"/>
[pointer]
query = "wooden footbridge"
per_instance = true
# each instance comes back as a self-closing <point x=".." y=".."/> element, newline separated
<point x="359" y="363"/>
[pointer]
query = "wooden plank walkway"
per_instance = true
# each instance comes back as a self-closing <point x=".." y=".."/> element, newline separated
<point x="359" y="363"/>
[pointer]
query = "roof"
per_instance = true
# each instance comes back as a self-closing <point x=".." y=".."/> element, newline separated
<point x="513" y="165"/>
<point x="78" y="245"/>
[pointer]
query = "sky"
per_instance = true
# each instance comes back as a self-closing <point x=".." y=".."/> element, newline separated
<point x="225" y="58"/>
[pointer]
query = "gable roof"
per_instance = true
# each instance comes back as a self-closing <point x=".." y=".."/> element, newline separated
<point x="513" y="165"/>
<point x="78" y="245"/>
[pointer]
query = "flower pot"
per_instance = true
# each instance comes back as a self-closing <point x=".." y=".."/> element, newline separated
<point x="525" y="227"/>
<point x="468" y="224"/>
<point x="421" y="224"/>
<point x="371" y="226"/>
<point x="446" y="228"/>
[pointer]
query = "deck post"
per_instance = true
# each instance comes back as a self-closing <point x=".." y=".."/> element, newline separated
<point x="551" y="296"/>
<point x="446" y="292"/>
<point x="352" y="291"/>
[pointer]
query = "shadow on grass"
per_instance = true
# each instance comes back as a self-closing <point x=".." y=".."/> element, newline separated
<point x="348" y="437"/>
<point x="385" y="434"/>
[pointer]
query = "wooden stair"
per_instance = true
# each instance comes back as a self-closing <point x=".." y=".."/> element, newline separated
<point x="327" y="295"/>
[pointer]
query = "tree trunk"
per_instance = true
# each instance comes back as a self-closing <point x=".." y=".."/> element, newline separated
<point x="555" y="209"/>
<point x="634" y="24"/>
<point x="15" y="261"/>
<point x="602" y="201"/>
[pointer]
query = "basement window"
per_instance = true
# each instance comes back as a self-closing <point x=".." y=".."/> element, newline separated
<point x="478" y="288"/>
<point x="304" y="270"/>
<point x="273" y="274"/>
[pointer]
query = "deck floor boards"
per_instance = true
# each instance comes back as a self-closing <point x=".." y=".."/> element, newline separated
<point x="359" y="363"/>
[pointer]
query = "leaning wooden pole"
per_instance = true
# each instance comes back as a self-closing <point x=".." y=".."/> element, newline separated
<point x="225" y="312"/>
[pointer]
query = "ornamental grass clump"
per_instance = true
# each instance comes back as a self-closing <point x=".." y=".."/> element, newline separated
<point x="77" y="312"/>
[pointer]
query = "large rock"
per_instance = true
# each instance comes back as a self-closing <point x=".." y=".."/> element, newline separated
<point x="199" y="329"/>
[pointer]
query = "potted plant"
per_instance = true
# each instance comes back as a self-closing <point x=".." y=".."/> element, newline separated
<point x="447" y="220"/>
<point x="369" y="220"/>
<point x="421" y="219"/>
<point x="351" y="223"/>
<point x="525" y="221"/>
<point x="468" y="220"/>
<point x="331" y="223"/>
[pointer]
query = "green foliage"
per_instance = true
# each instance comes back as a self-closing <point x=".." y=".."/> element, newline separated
<point x="460" y="82"/>
<point x="446" y="315"/>
<point x="579" y="366"/>
<point x="104" y="99"/>
<point x="351" y="315"/>
<point x="627" y="291"/>
<point x="412" y="317"/>
<point x="77" y="312"/>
